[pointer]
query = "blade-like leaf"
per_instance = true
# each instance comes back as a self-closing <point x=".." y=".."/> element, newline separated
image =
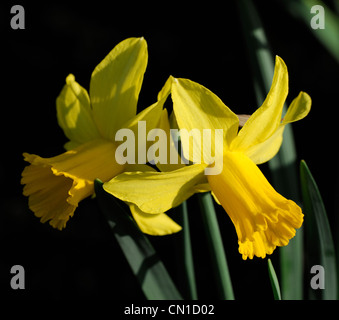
<point x="318" y="232"/>
<point x="306" y="10"/>
<point x="274" y="281"/>
<point x="146" y="265"/>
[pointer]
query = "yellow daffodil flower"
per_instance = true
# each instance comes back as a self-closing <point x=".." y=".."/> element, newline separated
<point x="263" y="218"/>
<point x="56" y="185"/>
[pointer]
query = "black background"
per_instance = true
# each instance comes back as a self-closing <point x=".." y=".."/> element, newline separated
<point x="202" y="42"/>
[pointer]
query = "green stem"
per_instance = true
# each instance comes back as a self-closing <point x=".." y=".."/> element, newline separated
<point x="216" y="247"/>
<point x="188" y="274"/>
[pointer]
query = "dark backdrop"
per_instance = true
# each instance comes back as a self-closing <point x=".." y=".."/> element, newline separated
<point x="203" y="43"/>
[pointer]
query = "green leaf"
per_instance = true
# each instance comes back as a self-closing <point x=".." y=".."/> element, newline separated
<point x="292" y="268"/>
<point x="328" y="37"/>
<point x="274" y="281"/>
<point x="283" y="166"/>
<point x="216" y="247"/>
<point x="146" y="265"/>
<point x="318" y="232"/>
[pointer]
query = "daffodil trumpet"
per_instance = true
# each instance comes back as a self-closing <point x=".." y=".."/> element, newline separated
<point x="263" y="218"/>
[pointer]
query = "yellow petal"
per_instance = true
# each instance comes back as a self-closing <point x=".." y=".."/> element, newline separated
<point x="197" y="108"/>
<point x="263" y="219"/>
<point x="74" y="114"/>
<point x="153" y="113"/>
<point x="166" y="90"/>
<point x="154" y="224"/>
<point x="266" y="119"/>
<point x="116" y="83"/>
<point x="153" y="118"/>
<point x="156" y="192"/>
<point x="172" y="159"/>
<point x="266" y="150"/>
<point x="298" y="109"/>
<point x="56" y="185"/>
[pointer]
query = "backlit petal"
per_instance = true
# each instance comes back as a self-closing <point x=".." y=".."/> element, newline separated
<point x="116" y="83"/>
<point x="197" y="108"/>
<point x="74" y="114"/>
<point x="173" y="160"/>
<point x="266" y="150"/>
<point x="154" y="118"/>
<point x="156" y="192"/>
<point x="263" y="219"/>
<point x="154" y="224"/>
<point x="266" y="119"/>
<point x="298" y="109"/>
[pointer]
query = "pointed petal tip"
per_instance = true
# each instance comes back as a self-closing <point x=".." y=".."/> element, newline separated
<point x="280" y="61"/>
<point x="70" y="78"/>
<point x="142" y="40"/>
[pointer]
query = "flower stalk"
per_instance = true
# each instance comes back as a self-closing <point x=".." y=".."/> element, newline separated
<point x="216" y="247"/>
<point x="186" y="262"/>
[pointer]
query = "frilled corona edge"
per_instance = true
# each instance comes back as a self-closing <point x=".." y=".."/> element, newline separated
<point x="263" y="218"/>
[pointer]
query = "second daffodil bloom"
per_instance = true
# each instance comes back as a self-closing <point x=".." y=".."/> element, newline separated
<point x="263" y="218"/>
<point x="56" y="185"/>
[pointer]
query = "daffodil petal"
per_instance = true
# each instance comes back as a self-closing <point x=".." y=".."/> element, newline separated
<point x="267" y="149"/>
<point x="266" y="119"/>
<point x="172" y="161"/>
<point x="152" y="114"/>
<point x="138" y="167"/>
<point x="116" y="83"/>
<point x="148" y="127"/>
<point x="298" y="109"/>
<point x="93" y="160"/>
<point x="203" y="187"/>
<point x="166" y="89"/>
<point x="156" y="192"/>
<point x="154" y="224"/>
<point x="74" y="114"/>
<point x="197" y="108"/>
<point x="72" y="145"/>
